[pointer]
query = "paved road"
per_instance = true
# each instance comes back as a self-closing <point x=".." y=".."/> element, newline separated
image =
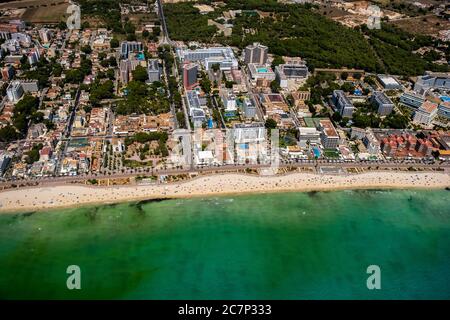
<point x="254" y="95"/>
<point x="227" y="168"/>
<point x="110" y="125"/>
<point x="169" y="95"/>
<point x="166" y="38"/>
<point x="222" y="124"/>
<point x="67" y="132"/>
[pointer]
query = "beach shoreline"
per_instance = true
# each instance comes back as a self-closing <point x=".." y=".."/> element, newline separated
<point x="66" y="196"/>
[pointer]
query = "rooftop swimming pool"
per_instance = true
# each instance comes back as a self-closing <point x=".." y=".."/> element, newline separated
<point x="263" y="70"/>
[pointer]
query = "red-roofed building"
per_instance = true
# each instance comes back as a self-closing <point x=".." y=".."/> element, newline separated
<point x="426" y="113"/>
<point x="424" y="146"/>
<point x="407" y="145"/>
<point x="45" y="154"/>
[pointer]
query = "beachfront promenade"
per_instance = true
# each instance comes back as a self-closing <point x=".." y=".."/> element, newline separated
<point x="314" y="166"/>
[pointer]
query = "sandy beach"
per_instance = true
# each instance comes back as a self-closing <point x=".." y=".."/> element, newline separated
<point x="39" y="198"/>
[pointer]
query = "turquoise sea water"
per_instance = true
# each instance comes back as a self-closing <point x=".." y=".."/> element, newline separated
<point x="314" y="245"/>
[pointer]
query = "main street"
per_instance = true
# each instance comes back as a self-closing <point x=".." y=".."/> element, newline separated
<point x="166" y="40"/>
<point x="169" y="95"/>
<point x="254" y="94"/>
<point x="67" y="132"/>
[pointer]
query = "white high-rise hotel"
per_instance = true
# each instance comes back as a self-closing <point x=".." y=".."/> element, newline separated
<point x="223" y="56"/>
<point x="256" y="53"/>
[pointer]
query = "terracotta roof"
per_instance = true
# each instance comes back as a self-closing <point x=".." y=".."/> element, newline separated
<point x="428" y="106"/>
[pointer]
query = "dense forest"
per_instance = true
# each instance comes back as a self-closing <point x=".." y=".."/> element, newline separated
<point x="395" y="47"/>
<point x="297" y="30"/>
<point x="186" y="24"/>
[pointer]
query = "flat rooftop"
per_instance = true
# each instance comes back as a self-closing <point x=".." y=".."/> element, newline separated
<point x="382" y="97"/>
<point x="274" y="97"/>
<point x="329" y="129"/>
<point x="249" y="125"/>
<point x="428" y="106"/>
<point x="387" y="79"/>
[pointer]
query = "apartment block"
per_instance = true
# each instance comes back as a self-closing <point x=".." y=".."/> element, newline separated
<point x="382" y="102"/>
<point x="343" y="104"/>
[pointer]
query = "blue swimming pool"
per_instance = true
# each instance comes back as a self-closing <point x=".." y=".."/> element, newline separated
<point x="316" y="152"/>
<point x="229" y="114"/>
<point x="445" y="98"/>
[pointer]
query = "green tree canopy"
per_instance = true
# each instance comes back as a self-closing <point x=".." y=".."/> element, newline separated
<point x="140" y="74"/>
<point x="8" y="134"/>
<point x="270" y="124"/>
<point x="114" y="43"/>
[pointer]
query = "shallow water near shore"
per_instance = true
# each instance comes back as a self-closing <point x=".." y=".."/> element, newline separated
<point x="314" y="245"/>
